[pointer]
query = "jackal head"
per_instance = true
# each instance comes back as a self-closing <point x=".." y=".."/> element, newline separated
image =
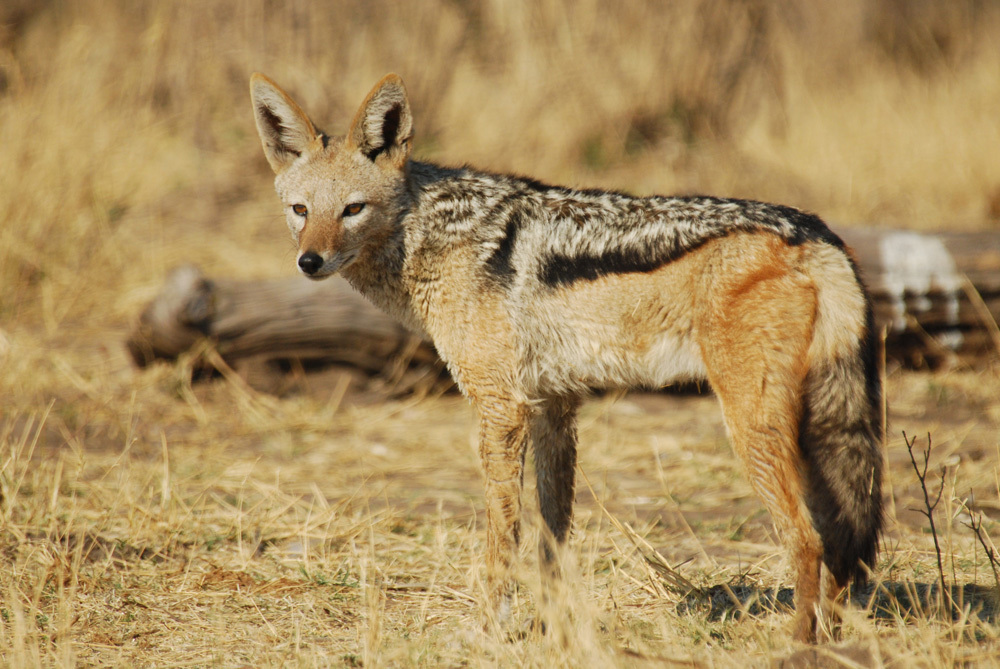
<point x="342" y="196"/>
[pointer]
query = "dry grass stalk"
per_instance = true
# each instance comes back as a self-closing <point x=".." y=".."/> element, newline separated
<point x="984" y="313"/>
<point x="976" y="525"/>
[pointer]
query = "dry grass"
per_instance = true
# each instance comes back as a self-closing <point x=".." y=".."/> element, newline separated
<point x="155" y="523"/>
<point x="149" y="521"/>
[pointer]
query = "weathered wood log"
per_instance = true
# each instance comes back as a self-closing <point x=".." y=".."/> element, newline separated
<point x="937" y="296"/>
<point x="289" y="318"/>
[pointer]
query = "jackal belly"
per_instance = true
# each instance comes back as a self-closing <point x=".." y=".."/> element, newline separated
<point x="577" y="362"/>
<point x="630" y="330"/>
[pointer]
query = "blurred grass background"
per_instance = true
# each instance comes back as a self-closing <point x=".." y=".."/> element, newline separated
<point x="145" y="520"/>
<point x="128" y="143"/>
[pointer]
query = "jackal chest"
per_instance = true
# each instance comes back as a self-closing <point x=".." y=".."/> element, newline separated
<point x="466" y="320"/>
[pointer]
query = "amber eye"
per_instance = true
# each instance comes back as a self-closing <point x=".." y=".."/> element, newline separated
<point x="300" y="209"/>
<point x="354" y="209"/>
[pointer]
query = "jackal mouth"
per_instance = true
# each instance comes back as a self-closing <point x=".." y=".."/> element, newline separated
<point x="337" y="263"/>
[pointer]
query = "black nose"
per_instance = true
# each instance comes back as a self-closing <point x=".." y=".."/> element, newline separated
<point x="310" y="262"/>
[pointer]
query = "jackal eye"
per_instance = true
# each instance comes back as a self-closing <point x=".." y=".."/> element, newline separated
<point x="354" y="208"/>
<point x="300" y="209"/>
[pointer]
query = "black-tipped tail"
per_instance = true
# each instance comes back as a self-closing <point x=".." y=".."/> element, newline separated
<point x="840" y="437"/>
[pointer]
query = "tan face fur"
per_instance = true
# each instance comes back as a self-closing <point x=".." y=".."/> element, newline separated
<point x="340" y="196"/>
<point x="329" y="226"/>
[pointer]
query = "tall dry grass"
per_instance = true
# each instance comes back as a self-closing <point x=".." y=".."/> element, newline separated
<point x="230" y="529"/>
<point x="148" y="521"/>
<point x="128" y="145"/>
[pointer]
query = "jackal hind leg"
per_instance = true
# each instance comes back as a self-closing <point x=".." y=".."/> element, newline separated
<point x="774" y="472"/>
<point x="503" y="436"/>
<point x="756" y="355"/>
<point x="830" y="606"/>
<point x="553" y="438"/>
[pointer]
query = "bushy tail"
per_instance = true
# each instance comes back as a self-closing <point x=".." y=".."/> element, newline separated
<point x="841" y="436"/>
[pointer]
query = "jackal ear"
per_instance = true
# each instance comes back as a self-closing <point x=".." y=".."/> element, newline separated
<point x="285" y="130"/>
<point x="383" y="127"/>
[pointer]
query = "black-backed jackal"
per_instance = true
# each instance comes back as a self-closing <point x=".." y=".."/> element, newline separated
<point x="534" y="294"/>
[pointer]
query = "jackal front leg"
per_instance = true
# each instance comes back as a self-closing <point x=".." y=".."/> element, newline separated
<point x="553" y="438"/>
<point x="503" y="435"/>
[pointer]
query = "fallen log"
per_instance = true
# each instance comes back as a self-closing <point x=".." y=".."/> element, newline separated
<point x="288" y="318"/>
<point x="937" y="296"/>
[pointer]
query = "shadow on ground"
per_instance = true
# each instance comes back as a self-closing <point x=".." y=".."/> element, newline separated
<point x="887" y="600"/>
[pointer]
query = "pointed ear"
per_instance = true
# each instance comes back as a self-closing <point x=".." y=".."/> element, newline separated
<point x="383" y="127"/>
<point x="285" y="130"/>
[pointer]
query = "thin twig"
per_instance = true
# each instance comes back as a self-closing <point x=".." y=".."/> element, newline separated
<point x="976" y="525"/>
<point x="930" y="506"/>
